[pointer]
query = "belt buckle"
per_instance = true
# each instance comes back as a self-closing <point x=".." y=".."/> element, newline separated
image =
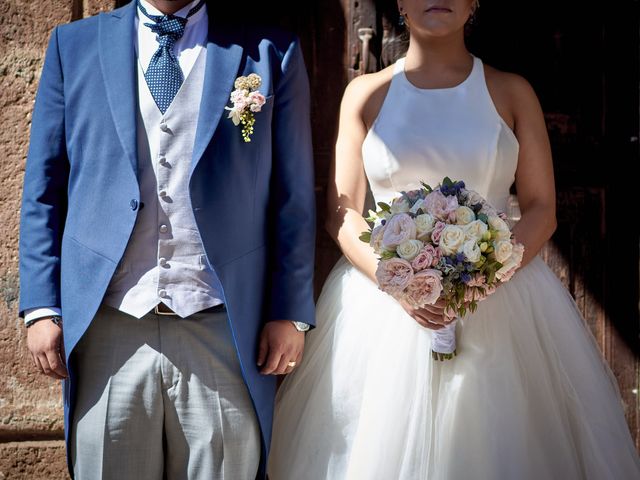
<point x="157" y="311"/>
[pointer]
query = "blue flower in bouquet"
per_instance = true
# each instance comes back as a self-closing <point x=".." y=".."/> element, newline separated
<point x="451" y="188"/>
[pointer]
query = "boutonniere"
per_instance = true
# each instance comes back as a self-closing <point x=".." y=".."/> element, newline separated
<point x="246" y="100"/>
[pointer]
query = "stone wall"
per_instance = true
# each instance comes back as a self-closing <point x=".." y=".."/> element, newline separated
<point x="31" y="426"/>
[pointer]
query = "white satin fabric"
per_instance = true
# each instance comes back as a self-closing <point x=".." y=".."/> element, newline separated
<point x="527" y="397"/>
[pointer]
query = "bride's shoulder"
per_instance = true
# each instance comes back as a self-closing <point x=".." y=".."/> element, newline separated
<point x="511" y="93"/>
<point x="366" y="93"/>
<point x="507" y="85"/>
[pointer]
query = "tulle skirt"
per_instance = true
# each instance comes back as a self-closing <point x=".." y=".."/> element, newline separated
<point x="529" y="395"/>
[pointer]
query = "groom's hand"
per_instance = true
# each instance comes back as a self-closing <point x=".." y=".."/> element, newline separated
<point x="44" y="340"/>
<point x="280" y="344"/>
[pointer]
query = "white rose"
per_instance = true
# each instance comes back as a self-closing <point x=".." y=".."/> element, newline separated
<point x="475" y="230"/>
<point x="424" y="224"/>
<point x="410" y="249"/>
<point x="464" y="215"/>
<point x="512" y="263"/>
<point x="500" y="226"/>
<point x="451" y="239"/>
<point x="503" y="250"/>
<point x="376" y="238"/>
<point x="472" y="251"/>
<point x="399" y="205"/>
<point x="416" y="206"/>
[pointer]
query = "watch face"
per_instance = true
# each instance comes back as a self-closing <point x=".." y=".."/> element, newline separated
<point x="301" y="326"/>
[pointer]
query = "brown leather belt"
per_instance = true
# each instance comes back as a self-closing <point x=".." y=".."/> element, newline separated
<point x="162" y="309"/>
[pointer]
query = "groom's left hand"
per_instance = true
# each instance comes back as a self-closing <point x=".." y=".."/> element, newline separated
<point x="280" y="344"/>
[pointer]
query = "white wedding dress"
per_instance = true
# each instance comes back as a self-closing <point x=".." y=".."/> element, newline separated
<point x="528" y="396"/>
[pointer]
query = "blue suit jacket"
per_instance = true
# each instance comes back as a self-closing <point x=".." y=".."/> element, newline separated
<point x="253" y="202"/>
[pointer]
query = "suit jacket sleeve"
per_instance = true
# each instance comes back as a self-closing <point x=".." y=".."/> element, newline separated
<point x="292" y="196"/>
<point x="44" y="198"/>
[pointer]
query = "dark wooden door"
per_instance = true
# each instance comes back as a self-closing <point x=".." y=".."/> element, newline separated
<point x="583" y="63"/>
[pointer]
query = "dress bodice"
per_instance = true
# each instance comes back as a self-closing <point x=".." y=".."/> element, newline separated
<point x="427" y="134"/>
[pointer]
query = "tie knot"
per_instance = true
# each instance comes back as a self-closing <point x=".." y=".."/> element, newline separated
<point x="169" y="29"/>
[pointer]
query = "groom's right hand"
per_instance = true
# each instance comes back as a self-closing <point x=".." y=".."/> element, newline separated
<point x="280" y="345"/>
<point x="44" y="340"/>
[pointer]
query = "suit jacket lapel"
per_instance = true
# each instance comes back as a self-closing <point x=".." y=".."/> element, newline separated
<point x="224" y="54"/>
<point x="118" y="63"/>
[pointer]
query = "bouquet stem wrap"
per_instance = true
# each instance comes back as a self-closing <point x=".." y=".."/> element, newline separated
<point x="443" y="342"/>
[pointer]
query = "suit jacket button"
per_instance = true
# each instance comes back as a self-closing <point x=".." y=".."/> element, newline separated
<point x="134" y="204"/>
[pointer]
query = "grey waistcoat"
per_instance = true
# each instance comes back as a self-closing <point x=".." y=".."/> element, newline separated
<point x="165" y="260"/>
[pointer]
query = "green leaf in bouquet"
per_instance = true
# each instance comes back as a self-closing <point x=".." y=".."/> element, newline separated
<point x="373" y="216"/>
<point x="494" y="265"/>
<point x="386" y="255"/>
<point x="385" y="207"/>
<point x="483" y="217"/>
<point x="447" y="182"/>
<point x="365" y="237"/>
<point x="473" y="306"/>
<point x="427" y="187"/>
<point x="491" y="277"/>
<point x="462" y="311"/>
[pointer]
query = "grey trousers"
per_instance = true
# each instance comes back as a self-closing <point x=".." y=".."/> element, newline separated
<point x="162" y="398"/>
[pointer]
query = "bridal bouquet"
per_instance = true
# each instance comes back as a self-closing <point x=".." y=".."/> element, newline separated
<point x="443" y="242"/>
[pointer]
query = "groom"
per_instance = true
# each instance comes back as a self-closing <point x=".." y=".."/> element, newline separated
<point x="168" y="242"/>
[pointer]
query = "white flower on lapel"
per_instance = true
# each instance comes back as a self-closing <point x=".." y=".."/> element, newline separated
<point x="246" y="100"/>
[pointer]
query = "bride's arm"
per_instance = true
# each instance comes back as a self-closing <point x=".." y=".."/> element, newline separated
<point x="534" y="176"/>
<point x="347" y="187"/>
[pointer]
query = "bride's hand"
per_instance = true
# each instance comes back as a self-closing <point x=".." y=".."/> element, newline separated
<point x="432" y="317"/>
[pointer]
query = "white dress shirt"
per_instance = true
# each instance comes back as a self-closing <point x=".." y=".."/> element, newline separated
<point x="186" y="49"/>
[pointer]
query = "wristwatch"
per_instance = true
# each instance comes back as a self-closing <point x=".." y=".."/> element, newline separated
<point x="301" y="326"/>
<point x="57" y="319"/>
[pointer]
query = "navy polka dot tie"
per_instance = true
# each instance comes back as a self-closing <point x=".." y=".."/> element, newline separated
<point x="164" y="76"/>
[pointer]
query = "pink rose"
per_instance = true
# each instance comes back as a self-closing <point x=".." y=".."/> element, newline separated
<point x="257" y="100"/>
<point x="399" y="229"/>
<point x="437" y="255"/>
<point x="422" y="261"/>
<point x="478" y="293"/>
<point x="440" y="206"/>
<point x="478" y="280"/>
<point x="428" y="257"/>
<point x="425" y="288"/>
<point x="239" y="99"/>
<point x="394" y="275"/>
<point x="437" y="232"/>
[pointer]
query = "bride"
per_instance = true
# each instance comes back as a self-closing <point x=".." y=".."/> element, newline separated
<point x="528" y="396"/>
